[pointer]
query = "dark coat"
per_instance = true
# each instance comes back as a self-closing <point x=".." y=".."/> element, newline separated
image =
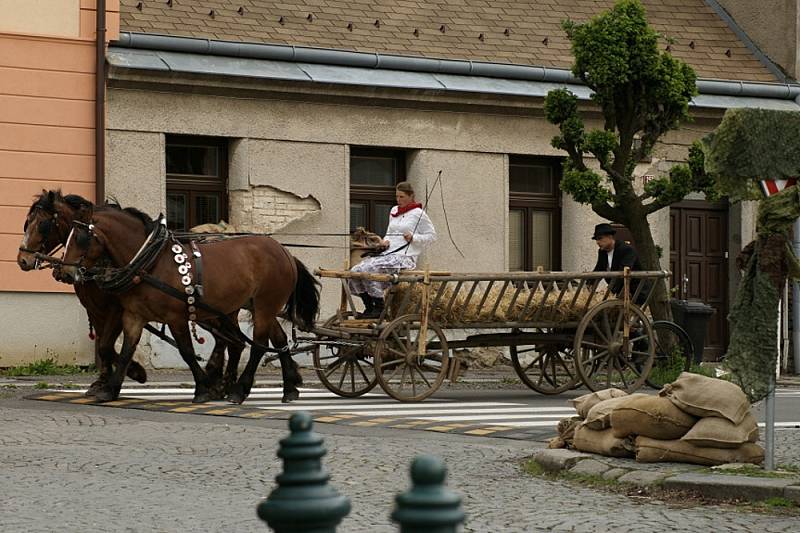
<point x="624" y="256"/>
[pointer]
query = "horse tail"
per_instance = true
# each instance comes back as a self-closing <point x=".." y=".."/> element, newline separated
<point x="303" y="305"/>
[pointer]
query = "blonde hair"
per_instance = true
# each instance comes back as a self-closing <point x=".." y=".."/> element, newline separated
<point x="405" y="187"/>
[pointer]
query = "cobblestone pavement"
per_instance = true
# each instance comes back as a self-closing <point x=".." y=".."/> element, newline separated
<point x="87" y="469"/>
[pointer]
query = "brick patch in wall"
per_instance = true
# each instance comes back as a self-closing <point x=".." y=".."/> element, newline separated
<point x="267" y="209"/>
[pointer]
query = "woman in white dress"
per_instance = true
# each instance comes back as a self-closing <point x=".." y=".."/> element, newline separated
<point x="410" y="231"/>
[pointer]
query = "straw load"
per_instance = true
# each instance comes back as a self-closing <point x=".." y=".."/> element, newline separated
<point x="696" y="419"/>
<point x="544" y="303"/>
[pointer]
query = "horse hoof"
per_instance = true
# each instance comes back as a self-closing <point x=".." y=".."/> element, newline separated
<point x="290" y="396"/>
<point x="137" y="372"/>
<point x="105" y="395"/>
<point x="236" y="398"/>
<point x="201" y="397"/>
<point x="94" y="389"/>
<point x="216" y="394"/>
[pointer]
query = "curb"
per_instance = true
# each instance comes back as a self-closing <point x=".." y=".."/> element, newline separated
<point x="712" y="486"/>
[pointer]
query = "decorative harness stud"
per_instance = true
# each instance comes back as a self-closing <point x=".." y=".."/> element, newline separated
<point x="193" y="291"/>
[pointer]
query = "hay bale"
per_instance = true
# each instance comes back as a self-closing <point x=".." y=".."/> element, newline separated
<point x="221" y="227"/>
<point x="599" y="416"/>
<point x="651" y="416"/>
<point x="678" y="451"/>
<point x="602" y="442"/>
<point x="714" y="432"/>
<point x="583" y="404"/>
<point x="703" y="396"/>
<point x="554" y="308"/>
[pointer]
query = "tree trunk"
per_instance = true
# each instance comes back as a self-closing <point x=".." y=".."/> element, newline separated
<point x="648" y="256"/>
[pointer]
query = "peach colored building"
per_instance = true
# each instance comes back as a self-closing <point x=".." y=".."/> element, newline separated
<point x="47" y="140"/>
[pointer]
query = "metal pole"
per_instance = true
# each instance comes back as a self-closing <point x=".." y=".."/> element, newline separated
<point x="769" y="425"/>
<point x="796" y="304"/>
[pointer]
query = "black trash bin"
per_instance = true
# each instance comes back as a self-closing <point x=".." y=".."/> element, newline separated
<point x="693" y="317"/>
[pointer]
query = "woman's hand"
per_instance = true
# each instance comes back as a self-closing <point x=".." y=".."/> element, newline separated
<point x="385" y="244"/>
<point x="408" y="236"/>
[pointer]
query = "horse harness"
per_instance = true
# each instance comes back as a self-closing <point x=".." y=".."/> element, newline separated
<point x="117" y="280"/>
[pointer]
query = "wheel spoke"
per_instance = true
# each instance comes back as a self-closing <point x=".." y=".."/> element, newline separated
<point x="422" y="375"/>
<point x="332" y="368"/>
<point x="599" y="333"/>
<point x="598" y="356"/>
<point x="363" y="374"/>
<point x="403" y="376"/>
<point x="344" y="374"/>
<point x="352" y="375"/>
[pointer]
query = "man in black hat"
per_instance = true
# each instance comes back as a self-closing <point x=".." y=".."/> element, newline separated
<point x="614" y="255"/>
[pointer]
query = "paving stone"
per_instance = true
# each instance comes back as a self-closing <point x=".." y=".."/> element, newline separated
<point x="589" y="467"/>
<point x="559" y="460"/>
<point x="615" y="473"/>
<point x="730" y="487"/>
<point x="792" y="493"/>
<point x="642" y="478"/>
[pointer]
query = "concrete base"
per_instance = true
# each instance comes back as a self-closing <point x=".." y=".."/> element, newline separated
<point x="37" y="326"/>
<point x="730" y="487"/>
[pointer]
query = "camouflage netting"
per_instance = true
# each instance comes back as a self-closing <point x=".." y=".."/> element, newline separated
<point x="750" y="145"/>
<point x="767" y="262"/>
<point x="753" y="144"/>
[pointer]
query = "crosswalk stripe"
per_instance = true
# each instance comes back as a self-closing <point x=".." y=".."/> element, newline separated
<point x="413" y="409"/>
<point x="782" y="425"/>
<point x="462" y="418"/>
<point x="400" y="411"/>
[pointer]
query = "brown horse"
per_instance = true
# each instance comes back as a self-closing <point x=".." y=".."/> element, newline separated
<point x="253" y="271"/>
<point x="44" y="231"/>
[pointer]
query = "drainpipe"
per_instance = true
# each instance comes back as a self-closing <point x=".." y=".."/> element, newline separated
<point x="100" y="105"/>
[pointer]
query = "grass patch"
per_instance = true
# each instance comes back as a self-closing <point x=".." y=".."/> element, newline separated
<point x="42" y="385"/>
<point x="533" y="468"/>
<point x="777" y="501"/>
<point x="755" y="471"/>
<point x="45" y="367"/>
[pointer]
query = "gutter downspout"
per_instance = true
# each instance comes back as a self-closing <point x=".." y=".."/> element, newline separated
<point x="100" y="105"/>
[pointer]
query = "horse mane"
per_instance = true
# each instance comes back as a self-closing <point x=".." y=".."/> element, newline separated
<point x="143" y="217"/>
<point x="42" y="201"/>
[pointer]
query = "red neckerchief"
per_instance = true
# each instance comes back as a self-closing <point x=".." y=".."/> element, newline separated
<point x="406" y="209"/>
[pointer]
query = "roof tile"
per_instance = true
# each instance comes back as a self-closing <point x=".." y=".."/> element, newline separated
<point x="682" y="20"/>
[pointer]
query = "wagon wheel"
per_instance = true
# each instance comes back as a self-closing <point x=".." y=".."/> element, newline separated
<point x="602" y="356"/>
<point x="347" y="371"/>
<point x="551" y="369"/>
<point x="402" y="372"/>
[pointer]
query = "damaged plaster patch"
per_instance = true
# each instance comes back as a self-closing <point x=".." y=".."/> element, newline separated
<point x="268" y="209"/>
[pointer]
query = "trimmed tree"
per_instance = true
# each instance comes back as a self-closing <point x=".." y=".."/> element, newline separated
<point x="642" y="93"/>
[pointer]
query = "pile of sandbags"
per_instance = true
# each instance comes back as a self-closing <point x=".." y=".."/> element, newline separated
<point x="695" y="419"/>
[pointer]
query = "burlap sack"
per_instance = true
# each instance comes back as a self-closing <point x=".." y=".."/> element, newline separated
<point x="556" y="442"/>
<point x="584" y="403"/>
<point x="702" y="396"/>
<point x="602" y="442"/>
<point x="566" y="428"/>
<point x="678" y="451"/>
<point x="599" y="416"/>
<point x="651" y="416"/>
<point x="714" y="432"/>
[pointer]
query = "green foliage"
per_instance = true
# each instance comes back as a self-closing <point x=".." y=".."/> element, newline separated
<point x="642" y="92"/>
<point x="42" y="367"/>
<point x="585" y="186"/>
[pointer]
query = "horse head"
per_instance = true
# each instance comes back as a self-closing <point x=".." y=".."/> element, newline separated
<point x="106" y="232"/>
<point x="44" y="230"/>
<point x="362" y="241"/>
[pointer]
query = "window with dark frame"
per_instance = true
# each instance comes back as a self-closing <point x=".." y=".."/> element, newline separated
<point x="197" y="181"/>
<point x="374" y="172"/>
<point x="534" y="213"/>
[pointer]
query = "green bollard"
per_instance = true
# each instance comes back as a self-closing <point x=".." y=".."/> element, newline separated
<point x="429" y="506"/>
<point x="303" y="502"/>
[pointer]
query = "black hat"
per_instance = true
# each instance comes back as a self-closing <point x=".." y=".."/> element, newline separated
<point x="603" y="229"/>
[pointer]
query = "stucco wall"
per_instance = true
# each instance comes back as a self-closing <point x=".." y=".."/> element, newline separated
<point x="40" y="326"/>
<point x="475" y="189"/>
<point x="772" y="25"/>
<point x="136" y="170"/>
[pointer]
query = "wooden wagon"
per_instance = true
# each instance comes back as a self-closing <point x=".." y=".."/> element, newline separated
<point x="562" y="329"/>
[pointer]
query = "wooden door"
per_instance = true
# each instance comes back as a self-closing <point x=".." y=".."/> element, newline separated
<point x="699" y="264"/>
